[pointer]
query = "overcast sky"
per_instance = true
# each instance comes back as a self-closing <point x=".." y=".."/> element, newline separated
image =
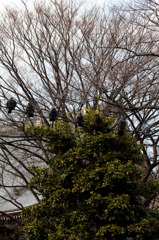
<point x="17" y="2"/>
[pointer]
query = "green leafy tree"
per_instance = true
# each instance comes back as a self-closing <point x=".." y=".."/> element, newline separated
<point x="92" y="187"/>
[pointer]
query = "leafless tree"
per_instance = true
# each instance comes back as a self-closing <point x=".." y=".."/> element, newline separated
<point x="137" y="44"/>
<point x="54" y="54"/>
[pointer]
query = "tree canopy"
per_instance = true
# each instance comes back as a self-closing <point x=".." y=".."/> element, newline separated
<point x="92" y="187"/>
<point x="56" y="54"/>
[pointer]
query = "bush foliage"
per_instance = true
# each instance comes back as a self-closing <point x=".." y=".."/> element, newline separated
<point x="92" y="187"/>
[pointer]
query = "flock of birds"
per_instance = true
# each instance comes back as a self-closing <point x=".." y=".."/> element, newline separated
<point x="99" y="125"/>
<point x="98" y="122"/>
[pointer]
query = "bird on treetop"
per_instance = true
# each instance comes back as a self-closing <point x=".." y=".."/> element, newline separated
<point x="30" y="110"/>
<point x="146" y="130"/>
<point x="98" y="122"/>
<point x="11" y="104"/>
<point x="53" y="114"/>
<point x="121" y="126"/>
<point x="79" y="119"/>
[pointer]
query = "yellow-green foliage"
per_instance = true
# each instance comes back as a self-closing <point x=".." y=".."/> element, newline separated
<point x="92" y="187"/>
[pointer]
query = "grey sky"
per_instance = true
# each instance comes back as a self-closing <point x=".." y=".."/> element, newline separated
<point x="17" y="3"/>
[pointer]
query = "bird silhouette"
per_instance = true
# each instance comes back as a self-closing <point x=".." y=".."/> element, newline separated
<point x="79" y="119"/>
<point x="98" y="123"/>
<point x="121" y="126"/>
<point x="11" y="104"/>
<point x="30" y="110"/>
<point x="53" y="114"/>
<point x="147" y="131"/>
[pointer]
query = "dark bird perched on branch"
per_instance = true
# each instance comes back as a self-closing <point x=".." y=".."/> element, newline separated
<point x="98" y="123"/>
<point x="30" y="110"/>
<point x="11" y="104"/>
<point x="95" y="103"/>
<point x="79" y="119"/>
<point x="121" y="126"/>
<point x="146" y="130"/>
<point x="53" y="114"/>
